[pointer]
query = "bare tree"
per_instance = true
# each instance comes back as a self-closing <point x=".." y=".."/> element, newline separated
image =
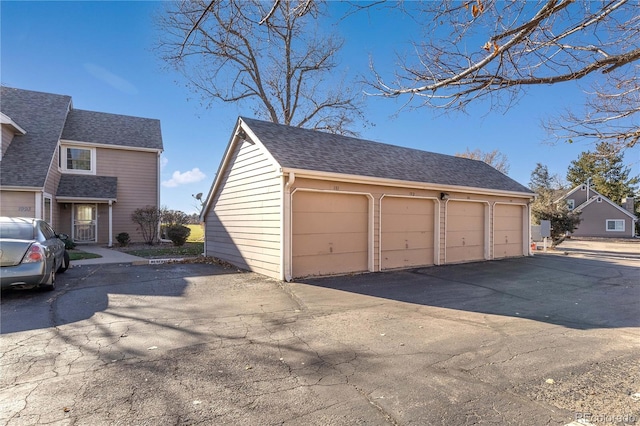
<point x="269" y="55"/>
<point x="494" y="158"/>
<point x="490" y="49"/>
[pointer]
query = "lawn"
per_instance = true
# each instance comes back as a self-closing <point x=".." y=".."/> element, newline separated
<point x="197" y="233"/>
<point x="81" y="255"/>
<point x="164" y="250"/>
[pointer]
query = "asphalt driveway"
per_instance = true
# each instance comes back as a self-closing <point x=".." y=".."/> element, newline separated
<point x="530" y="341"/>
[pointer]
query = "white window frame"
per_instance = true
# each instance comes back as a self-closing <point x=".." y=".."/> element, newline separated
<point x="615" y="226"/>
<point x="571" y="204"/>
<point x="63" y="160"/>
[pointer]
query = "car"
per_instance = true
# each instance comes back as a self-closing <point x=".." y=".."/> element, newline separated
<point x="31" y="253"/>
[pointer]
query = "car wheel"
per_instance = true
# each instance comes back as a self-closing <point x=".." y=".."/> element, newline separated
<point x="50" y="285"/>
<point x="65" y="263"/>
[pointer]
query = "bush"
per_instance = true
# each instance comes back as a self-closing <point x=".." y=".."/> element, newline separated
<point x="147" y="219"/>
<point x="123" y="239"/>
<point x="69" y="244"/>
<point x="178" y="234"/>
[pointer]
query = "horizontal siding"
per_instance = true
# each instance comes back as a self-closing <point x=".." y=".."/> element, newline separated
<point x="243" y="226"/>
<point x="17" y="203"/>
<point x="137" y="174"/>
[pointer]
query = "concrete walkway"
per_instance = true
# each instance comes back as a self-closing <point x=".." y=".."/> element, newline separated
<point x="108" y="256"/>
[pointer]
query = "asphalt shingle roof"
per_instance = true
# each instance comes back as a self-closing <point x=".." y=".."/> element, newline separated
<point x="306" y="149"/>
<point x="26" y="161"/>
<point x="112" y="129"/>
<point x="93" y="187"/>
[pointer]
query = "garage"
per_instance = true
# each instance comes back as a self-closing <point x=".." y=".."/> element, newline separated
<point x="465" y="231"/>
<point x="329" y="233"/>
<point x="508" y="231"/>
<point x="406" y="231"/>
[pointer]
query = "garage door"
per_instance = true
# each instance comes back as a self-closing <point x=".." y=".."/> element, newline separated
<point x="406" y="232"/>
<point x="465" y="236"/>
<point x="330" y="233"/>
<point x="507" y="231"/>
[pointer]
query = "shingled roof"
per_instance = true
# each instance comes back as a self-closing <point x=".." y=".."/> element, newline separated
<point x="42" y="115"/>
<point x="304" y="149"/>
<point x="112" y="129"/>
<point x="89" y="187"/>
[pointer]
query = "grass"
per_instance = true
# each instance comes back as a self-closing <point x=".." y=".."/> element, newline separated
<point x="164" y="250"/>
<point x="197" y="233"/>
<point x="81" y="255"/>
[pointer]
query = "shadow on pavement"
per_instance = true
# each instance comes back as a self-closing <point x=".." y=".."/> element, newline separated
<point x="573" y="292"/>
<point x="84" y="290"/>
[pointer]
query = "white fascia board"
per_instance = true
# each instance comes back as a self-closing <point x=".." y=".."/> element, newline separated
<point x="608" y="201"/>
<point x="84" y="200"/>
<point x="107" y="146"/>
<point x="5" y="119"/>
<point x="401" y="183"/>
<point x="22" y="188"/>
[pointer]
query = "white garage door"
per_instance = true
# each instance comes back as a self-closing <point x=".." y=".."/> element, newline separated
<point x="406" y="232"/>
<point x="508" y="231"/>
<point x="330" y="233"/>
<point x="465" y="236"/>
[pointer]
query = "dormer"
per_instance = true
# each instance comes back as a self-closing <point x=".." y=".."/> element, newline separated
<point x="9" y="129"/>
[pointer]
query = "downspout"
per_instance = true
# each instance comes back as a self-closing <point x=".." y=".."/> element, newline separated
<point x="158" y="192"/>
<point x="286" y="234"/>
<point x="110" y="223"/>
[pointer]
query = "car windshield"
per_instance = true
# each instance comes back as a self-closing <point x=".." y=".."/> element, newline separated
<point x="16" y="231"/>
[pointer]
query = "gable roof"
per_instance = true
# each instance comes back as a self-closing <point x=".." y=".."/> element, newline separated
<point x="582" y="206"/>
<point x="305" y="149"/>
<point x="112" y="129"/>
<point x="42" y="115"/>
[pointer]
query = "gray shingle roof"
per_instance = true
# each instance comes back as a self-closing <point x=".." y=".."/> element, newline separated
<point x="112" y="129"/>
<point x="305" y="149"/>
<point x="42" y="115"/>
<point x="92" y="187"/>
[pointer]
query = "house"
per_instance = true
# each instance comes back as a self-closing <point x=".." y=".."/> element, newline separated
<point x="600" y="216"/>
<point x="290" y="202"/>
<point x="82" y="171"/>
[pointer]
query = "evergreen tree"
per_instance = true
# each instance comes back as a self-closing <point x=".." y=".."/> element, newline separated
<point x="606" y="171"/>
<point x="543" y="207"/>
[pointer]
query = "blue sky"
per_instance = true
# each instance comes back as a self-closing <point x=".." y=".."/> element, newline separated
<point x="101" y="54"/>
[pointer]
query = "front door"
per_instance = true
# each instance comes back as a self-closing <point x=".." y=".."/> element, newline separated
<point x="84" y="223"/>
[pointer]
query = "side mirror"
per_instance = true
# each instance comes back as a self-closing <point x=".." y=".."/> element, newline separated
<point x="63" y="236"/>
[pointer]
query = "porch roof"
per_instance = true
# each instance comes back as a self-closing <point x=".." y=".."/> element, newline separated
<point x="82" y="187"/>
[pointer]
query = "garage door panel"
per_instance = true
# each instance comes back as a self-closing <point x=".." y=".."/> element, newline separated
<point x="465" y="232"/>
<point x="329" y="222"/>
<point x="329" y="233"/>
<point x="407" y="236"/>
<point x="508" y="231"/>
<point x="315" y="244"/>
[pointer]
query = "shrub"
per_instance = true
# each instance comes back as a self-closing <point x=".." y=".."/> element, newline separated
<point x="123" y="239"/>
<point x="178" y="234"/>
<point x="69" y="244"/>
<point x="147" y="218"/>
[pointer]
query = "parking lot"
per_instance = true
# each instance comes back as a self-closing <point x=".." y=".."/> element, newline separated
<point x="547" y="339"/>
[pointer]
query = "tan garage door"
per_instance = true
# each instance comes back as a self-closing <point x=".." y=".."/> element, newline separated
<point x="465" y="236"/>
<point x="406" y="232"/>
<point x="508" y="231"/>
<point x="330" y="233"/>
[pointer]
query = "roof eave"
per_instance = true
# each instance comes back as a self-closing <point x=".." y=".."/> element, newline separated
<point x="302" y="173"/>
<point x="65" y="199"/>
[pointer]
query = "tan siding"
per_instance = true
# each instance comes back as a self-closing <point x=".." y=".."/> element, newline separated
<point x="594" y="220"/>
<point x="17" y="203"/>
<point x="137" y="174"/>
<point x="7" y="137"/>
<point x="243" y="226"/>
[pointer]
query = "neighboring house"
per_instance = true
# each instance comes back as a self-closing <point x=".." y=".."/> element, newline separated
<point x="600" y="216"/>
<point x="290" y="202"/>
<point x="84" y="172"/>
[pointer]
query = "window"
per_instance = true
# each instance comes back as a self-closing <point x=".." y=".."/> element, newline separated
<point x="615" y="225"/>
<point x="571" y="204"/>
<point x="75" y="159"/>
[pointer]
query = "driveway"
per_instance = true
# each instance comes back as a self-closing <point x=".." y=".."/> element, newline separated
<point x="542" y="340"/>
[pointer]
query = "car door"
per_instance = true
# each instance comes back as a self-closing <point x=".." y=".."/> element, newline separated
<point x="55" y="246"/>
